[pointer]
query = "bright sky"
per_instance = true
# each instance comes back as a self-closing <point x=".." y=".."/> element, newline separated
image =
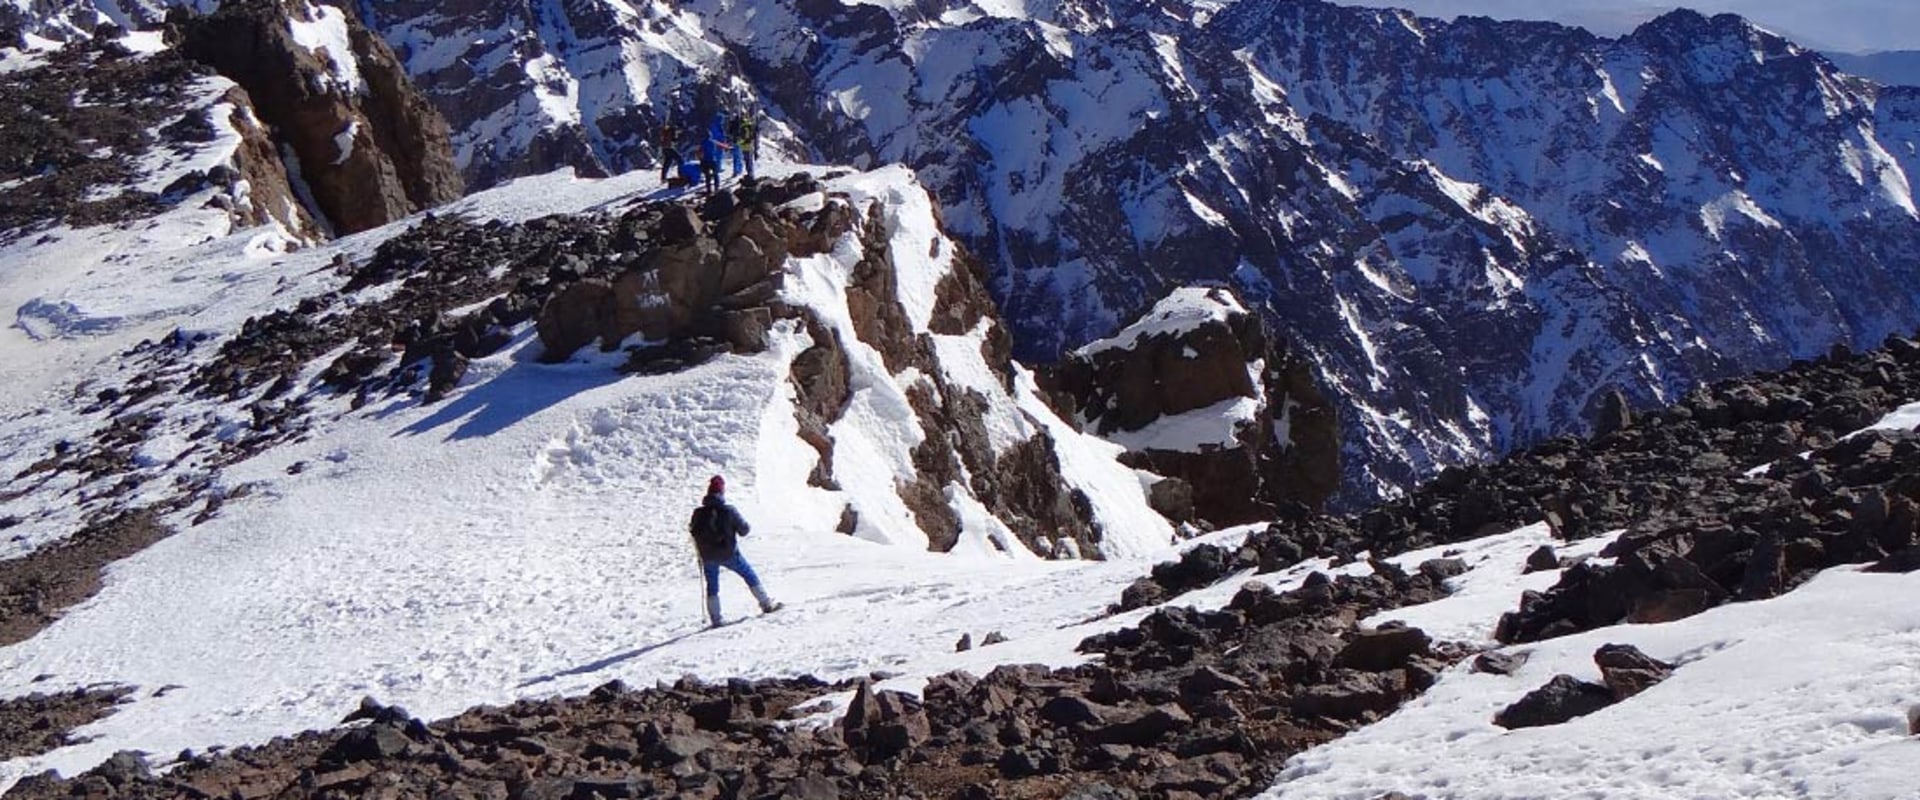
<point x="1847" y="26"/>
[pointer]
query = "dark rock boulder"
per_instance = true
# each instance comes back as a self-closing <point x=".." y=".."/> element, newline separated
<point x="1353" y="696"/>
<point x="1207" y="680"/>
<point x="372" y="743"/>
<point x="1907" y="560"/>
<point x="123" y="768"/>
<point x="575" y="317"/>
<point x="1495" y="662"/>
<point x="1613" y="415"/>
<point x="1542" y="559"/>
<point x="1384" y="648"/>
<point x="883" y="724"/>
<point x="1627" y="671"/>
<point x="1069" y="711"/>
<point x="1563" y="698"/>
<point x="1141" y="728"/>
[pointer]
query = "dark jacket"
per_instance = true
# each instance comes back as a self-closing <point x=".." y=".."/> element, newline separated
<point x="728" y="528"/>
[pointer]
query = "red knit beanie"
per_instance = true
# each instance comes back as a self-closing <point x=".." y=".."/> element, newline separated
<point x="717" y="485"/>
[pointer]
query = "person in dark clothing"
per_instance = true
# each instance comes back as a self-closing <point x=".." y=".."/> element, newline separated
<point x="710" y="163"/>
<point x="669" y="152"/>
<point x="717" y="528"/>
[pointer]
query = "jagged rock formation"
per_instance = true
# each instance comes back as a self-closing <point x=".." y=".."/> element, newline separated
<point x="1197" y="391"/>
<point x="368" y="147"/>
<point x="1188" y="704"/>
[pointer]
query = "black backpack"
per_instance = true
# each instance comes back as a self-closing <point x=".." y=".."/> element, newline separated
<point x="709" y="529"/>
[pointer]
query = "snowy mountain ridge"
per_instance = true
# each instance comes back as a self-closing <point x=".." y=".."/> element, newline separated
<point x="1472" y="229"/>
<point x="1378" y="184"/>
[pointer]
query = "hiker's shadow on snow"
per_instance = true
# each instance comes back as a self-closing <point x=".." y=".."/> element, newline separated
<point x="518" y="392"/>
<point x="596" y="666"/>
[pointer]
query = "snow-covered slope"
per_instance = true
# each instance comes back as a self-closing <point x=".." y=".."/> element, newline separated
<point x="1806" y="695"/>
<point x="527" y="534"/>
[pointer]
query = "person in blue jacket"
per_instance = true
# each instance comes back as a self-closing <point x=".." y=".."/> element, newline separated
<point x="717" y="527"/>
<point x="717" y="146"/>
<point x="710" y="162"/>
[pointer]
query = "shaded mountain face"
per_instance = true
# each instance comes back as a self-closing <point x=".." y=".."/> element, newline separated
<point x="1471" y="230"/>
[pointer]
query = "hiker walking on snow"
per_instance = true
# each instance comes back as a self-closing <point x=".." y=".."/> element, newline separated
<point x="716" y="528"/>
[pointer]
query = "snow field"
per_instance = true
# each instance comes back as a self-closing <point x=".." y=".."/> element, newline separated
<point x="1804" y="695"/>
<point x="526" y="536"/>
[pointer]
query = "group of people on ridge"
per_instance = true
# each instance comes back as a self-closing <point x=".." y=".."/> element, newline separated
<point x="738" y="135"/>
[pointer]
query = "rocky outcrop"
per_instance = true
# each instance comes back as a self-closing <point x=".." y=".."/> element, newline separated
<point x="367" y="146"/>
<point x="1741" y="539"/>
<point x="1020" y="483"/>
<point x="676" y="272"/>
<point x="1627" y="671"/>
<point x="1561" y="699"/>
<point x="1200" y="353"/>
<point x="39" y="723"/>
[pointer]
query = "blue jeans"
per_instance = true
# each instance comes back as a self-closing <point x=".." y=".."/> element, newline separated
<point x="736" y="563"/>
<point x="740" y="567"/>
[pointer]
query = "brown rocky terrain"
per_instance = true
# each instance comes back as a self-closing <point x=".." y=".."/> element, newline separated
<point x="79" y="125"/>
<point x="367" y="154"/>
<point x="1124" y="389"/>
<point x="39" y="722"/>
<point x="1700" y="529"/>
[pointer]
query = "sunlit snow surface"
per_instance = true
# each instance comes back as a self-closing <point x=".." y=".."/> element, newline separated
<point x="1805" y="695"/>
